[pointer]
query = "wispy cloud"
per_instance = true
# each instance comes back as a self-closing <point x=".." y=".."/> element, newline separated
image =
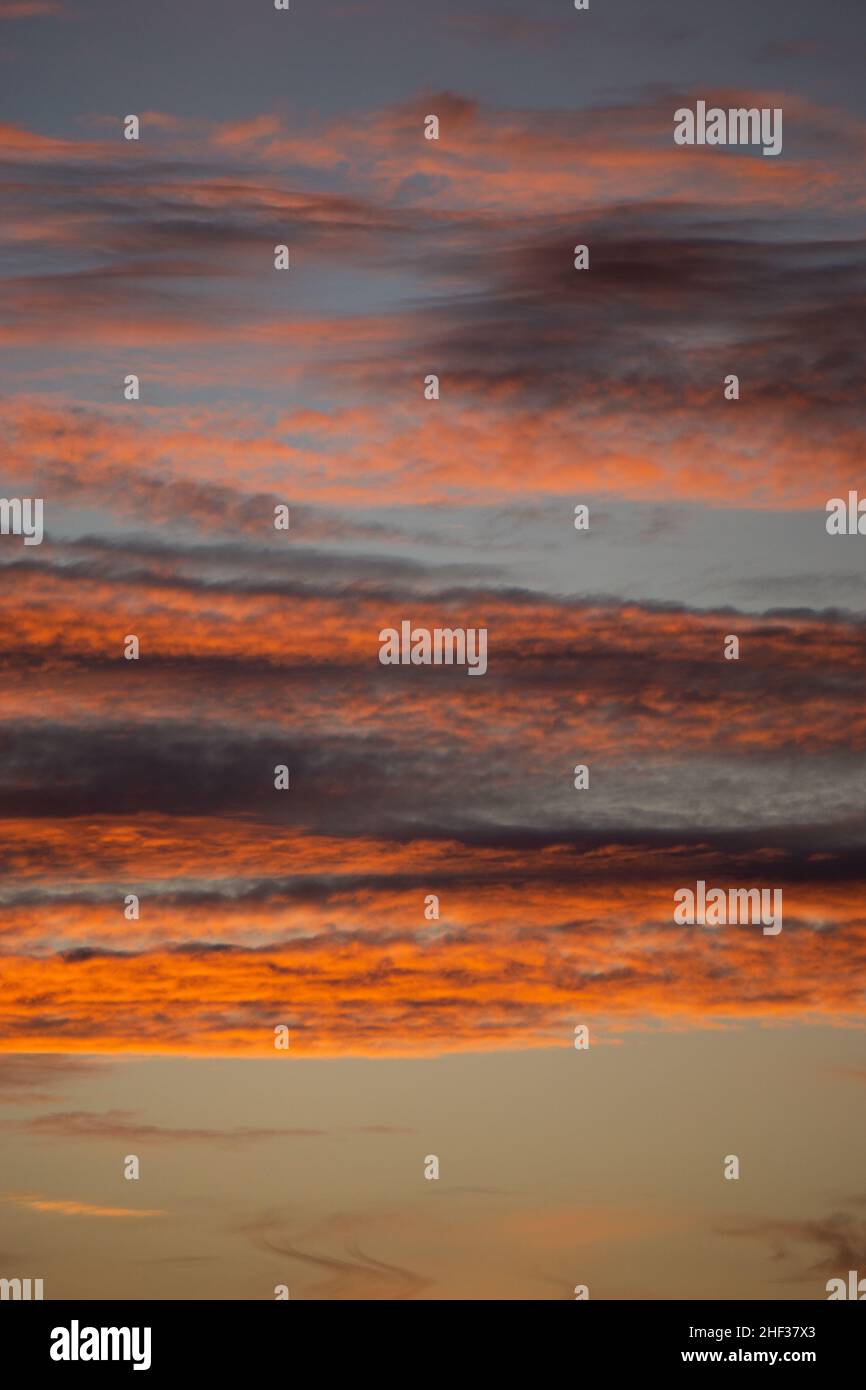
<point x="69" y="1207"/>
<point x="25" y="1079"/>
<point x="836" y="1243"/>
<point x="31" y="9"/>
<point x="123" y="1125"/>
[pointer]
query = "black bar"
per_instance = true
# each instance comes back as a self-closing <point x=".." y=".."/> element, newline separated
<point x="251" y="1338"/>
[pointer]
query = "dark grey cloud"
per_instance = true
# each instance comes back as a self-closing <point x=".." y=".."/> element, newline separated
<point x="821" y="1248"/>
<point x="342" y="784"/>
<point x="788" y="313"/>
<point x="294" y="570"/>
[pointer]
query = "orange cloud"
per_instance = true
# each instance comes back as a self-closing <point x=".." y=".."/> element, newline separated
<point x="64" y="1207"/>
<point x="223" y="464"/>
<point x="609" y="957"/>
<point x="30" y="9"/>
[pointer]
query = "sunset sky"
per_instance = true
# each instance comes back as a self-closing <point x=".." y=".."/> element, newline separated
<point x="412" y="1037"/>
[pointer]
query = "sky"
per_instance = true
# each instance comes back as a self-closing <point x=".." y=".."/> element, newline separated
<point x="413" y="1036"/>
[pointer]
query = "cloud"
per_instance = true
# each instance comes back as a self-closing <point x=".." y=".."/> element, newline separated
<point x="156" y="777"/>
<point x="836" y="1244"/>
<point x="308" y="909"/>
<point x="124" y="1126"/>
<point x="28" y="1078"/>
<point x="30" y="9"/>
<point x="68" y="1207"/>
<point x="522" y="968"/>
<point x="351" y="1274"/>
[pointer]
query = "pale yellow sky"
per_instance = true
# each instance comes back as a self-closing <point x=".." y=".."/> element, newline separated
<point x="557" y="1167"/>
